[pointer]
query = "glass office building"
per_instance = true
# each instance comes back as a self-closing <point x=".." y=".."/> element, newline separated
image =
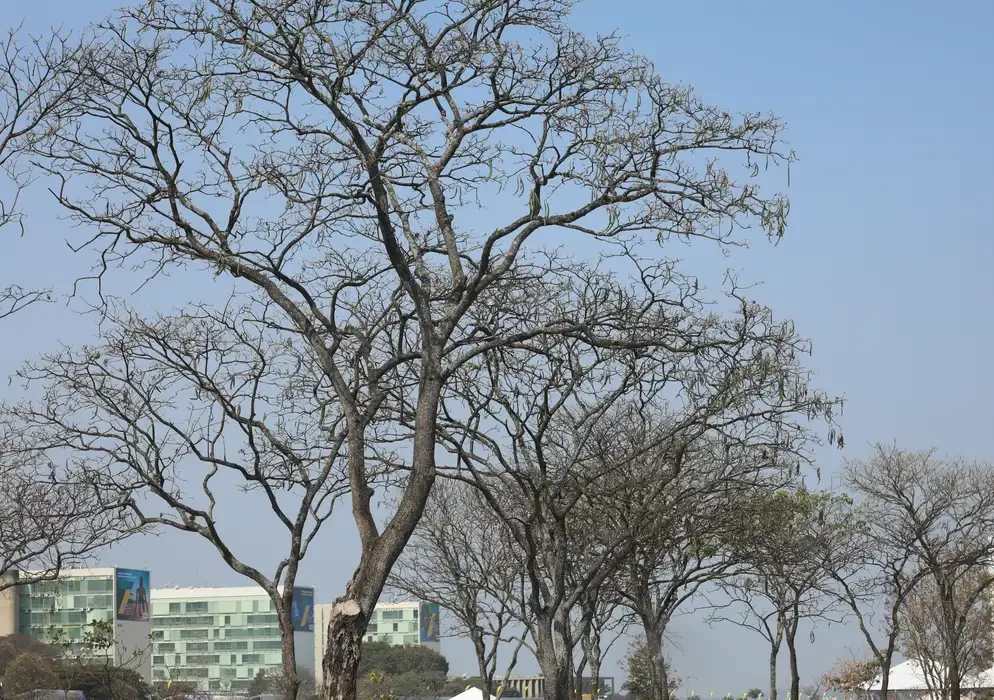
<point x="220" y="638"/>
<point x="65" y="609"/>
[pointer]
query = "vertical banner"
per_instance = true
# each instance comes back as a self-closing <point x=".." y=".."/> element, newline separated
<point x="302" y="609"/>
<point x="132" y="595"/>
<point x="428" y="622"/>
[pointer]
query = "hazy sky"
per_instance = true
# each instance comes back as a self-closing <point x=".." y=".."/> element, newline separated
<point x="886" y="266"/>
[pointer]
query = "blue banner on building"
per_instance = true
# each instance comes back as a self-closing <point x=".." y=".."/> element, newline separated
<point x="132" y="595"/>
<point x="428" y="622"/>
<point x="302" y="610"/>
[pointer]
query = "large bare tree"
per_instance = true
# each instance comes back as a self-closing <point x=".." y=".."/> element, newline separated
<point x="332" y="160"/>
<point x="565" y="437"/>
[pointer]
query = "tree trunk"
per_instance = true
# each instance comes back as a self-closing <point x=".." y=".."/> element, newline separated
<point x="654" y="648"/>
<point x="340" y="664"/>
<point x="774" y="650"/>
<point x="954" y="677"/>
<point x="885" y="668"/>
<point x="291" y="680"/>
<point x="595" y="677"/>
<point x="578" y="676"/>
<point x="479" y="648"/>
<point x="553" y="659"/>
<point x="795" y="677"/>
<point x="350" y="612"/>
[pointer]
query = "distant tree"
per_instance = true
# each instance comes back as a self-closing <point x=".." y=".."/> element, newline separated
<point x="403" y="671"/>
<point x="461" y="558"/>
<point x="789" y="542"/>
<point x="387" y="658"/>
<point x="947" y="627"/>
<point x="933" y="521"/>
<point x="753" y="693"/>
<point x="87" y="664"/>
<point x="273" y="681"/>
<point x="29" y="672"/>
<point x="14" y="645"/>
<point x="105" y="682"/>
<point x="175" y="689"/>
<point x="639" y="663"/>
<point x="853" y="676"/>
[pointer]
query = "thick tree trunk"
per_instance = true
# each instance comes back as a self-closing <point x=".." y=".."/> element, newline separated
<point x="340" y="664"/>
<point x="654" y="648"/>
<point x="350" y="612"/>
<point x="553" y="658"/>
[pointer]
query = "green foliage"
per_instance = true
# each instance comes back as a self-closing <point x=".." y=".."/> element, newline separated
<point x="387" y="672"/>
<point x="639" y="663"/>
<point x="395" y="660"/>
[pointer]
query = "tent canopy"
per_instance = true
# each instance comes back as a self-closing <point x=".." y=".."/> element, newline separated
<point x="473" y="694"/>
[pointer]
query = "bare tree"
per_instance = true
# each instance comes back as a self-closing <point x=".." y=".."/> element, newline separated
<point x="14" y="298"/>
<point x="329" y="157"/>
<point x="943" y="511"/>
<point x="168" y="415"/>
<point x="599" y="625"/>
<point x="561" y="435"/>
<point x="689" y="546"/>
<point x="883" y="568"/>
<point x="49" y="520"/>
<point x="460" y="557"/>
<point x="965" y="651"/>
<point x="790" y="542"/>
<point x="36" y="99"/>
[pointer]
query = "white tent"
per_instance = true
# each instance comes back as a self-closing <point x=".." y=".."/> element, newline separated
<point x="907" y="680"/>
<point x="473" y="694"/>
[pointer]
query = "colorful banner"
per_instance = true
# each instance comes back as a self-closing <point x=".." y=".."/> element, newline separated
<point x="302" y="609"/>
<point x="428" y="622"/>
<point x="132" y="595"/>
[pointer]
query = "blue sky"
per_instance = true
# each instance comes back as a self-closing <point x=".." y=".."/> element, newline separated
<point x="886" y="265"/>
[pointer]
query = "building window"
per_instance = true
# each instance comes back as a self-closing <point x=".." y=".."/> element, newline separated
<point x="395" y="626"/>
<point x="175" y="608"/>
<point x="197" y="607"/>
